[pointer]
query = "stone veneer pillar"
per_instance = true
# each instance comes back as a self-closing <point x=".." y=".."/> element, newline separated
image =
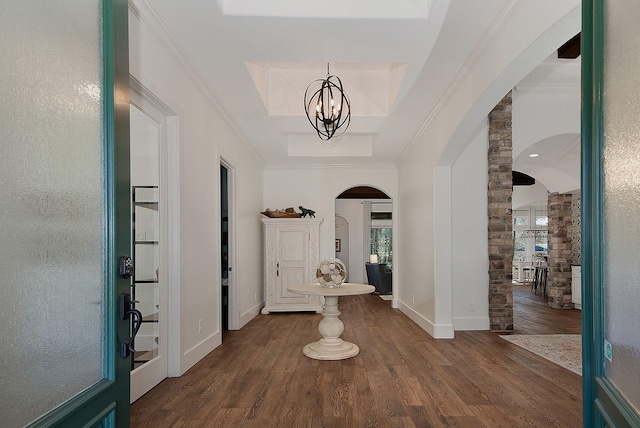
<point x="559" y="250"/>
<point x="576" y="233"/>
<point x="500" y="191"/>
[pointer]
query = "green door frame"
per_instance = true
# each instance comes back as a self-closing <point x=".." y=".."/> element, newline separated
<point x="106" y="403"/>
<point x="589" y="194"/>
<point x="602" y="402"/>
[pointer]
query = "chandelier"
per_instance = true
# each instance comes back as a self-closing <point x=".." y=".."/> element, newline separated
<point x="327" y="106"/>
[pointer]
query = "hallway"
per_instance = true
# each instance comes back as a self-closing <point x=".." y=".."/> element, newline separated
<point x="401" y="378"/>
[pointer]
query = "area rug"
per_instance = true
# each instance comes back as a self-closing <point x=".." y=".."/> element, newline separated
<point x="562" y="349"/>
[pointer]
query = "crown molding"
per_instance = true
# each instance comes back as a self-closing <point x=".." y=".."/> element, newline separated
<point x="147" y="15"/>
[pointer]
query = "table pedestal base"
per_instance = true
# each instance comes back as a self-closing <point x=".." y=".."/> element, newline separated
<point x="331" y="347"/>
<point x="319" y="351"/>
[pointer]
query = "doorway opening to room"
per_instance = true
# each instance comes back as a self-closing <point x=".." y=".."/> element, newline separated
<point x="228" y="291"/>
<point x="530" y="246"/>
<point x="366" y="244"/>
<point x="224" y="247"/>
<point x="546" y="244"/>
<point x="544" y="115"/>
<point x="149" y="145"/>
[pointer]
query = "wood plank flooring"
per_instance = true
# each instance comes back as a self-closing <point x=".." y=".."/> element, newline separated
<point x="402" y="377"/>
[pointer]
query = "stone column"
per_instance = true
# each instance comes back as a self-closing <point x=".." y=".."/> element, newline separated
<point x="576" y="233"/>
<point x="500" y="161"/>
<point x="559" y="250"/>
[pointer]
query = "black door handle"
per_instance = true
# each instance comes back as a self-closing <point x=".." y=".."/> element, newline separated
<point x="127" y="310"/>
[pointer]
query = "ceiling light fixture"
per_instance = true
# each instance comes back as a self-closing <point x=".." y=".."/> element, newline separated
<point x="327" y="106"/>
<point x="534" y="155"/>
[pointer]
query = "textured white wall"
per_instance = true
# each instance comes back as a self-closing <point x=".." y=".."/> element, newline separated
<point x="204" y="135"/>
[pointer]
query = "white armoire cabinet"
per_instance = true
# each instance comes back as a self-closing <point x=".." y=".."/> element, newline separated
<point x="291" y="256"/>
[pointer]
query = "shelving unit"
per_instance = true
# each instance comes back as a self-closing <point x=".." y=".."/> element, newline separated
<point x="144" y="282"/>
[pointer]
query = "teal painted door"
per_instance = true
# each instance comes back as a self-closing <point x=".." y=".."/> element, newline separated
<point x="611" y="213"/>
<point x="64" y="212"/>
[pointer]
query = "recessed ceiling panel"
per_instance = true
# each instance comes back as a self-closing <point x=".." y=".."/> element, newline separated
<point x="372" y="88"/>
<point x="345" y="146"/>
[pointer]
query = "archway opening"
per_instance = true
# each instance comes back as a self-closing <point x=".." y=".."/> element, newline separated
<point x="364" y="236"/>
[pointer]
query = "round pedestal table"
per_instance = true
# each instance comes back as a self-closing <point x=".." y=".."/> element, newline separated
<point x="331" y="347"/>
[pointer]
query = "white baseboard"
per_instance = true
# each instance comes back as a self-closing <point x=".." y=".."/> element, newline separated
<point x="469" y="323"/>
<point x="198" y="352"/>
<point x="250" y="314"/>
<point x="438" y="331"/>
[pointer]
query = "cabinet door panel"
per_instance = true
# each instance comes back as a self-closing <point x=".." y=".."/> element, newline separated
<point x="291" y="276"/>
<point x="293" y="246"/>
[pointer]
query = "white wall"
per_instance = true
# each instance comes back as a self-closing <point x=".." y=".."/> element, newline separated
<point x="470" y="273"/>
<point x="145" y="156"/>
<point x="529" y="32"/>
<point x="527" y="195"/>
<point x="415" y="262"/>
<point x="544" y="112"/>
<point x="317" y="188"/>
<point x="546" y="120"/>
<point x="247" y="259"/>
<point x="204" y="135"/>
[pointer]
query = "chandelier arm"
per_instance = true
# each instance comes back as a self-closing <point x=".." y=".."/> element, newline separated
<point x="328" y="117"/>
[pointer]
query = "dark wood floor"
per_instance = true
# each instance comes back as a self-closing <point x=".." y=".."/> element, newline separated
<point x="401" y="378"/>
<point x="532" y="315"/>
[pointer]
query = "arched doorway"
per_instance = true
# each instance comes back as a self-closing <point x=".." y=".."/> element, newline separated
<point x="369" y="214"/>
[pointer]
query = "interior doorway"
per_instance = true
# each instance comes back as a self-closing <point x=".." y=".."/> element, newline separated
<point x="230" y="317"/>
<point x="368" y="247"/>
<point x="149" y="242"/>
<point x="224" y="247"/>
